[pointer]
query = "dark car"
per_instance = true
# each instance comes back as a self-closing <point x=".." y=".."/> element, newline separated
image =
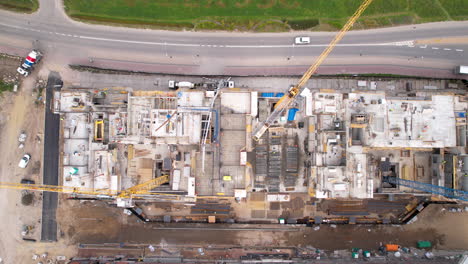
<point x="27" y="181"/>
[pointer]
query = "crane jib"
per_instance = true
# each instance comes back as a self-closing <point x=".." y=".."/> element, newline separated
<point x="297" y="89"/>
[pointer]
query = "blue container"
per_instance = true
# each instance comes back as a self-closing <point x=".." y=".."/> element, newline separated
<point x="292" y="114"/>
<point x="267" y="95"/>
<point x="279" y="95"/>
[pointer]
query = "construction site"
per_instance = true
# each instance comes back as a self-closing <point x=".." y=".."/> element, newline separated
<point x="356" y="156"/>
<point x="220" y="169"/>
<point x="136" y="166"/>
<point x="333" y="154"/>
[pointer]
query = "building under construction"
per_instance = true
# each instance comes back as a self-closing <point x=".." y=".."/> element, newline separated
<point x="329" y="144"/>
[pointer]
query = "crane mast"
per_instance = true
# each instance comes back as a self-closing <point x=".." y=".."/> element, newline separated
<point x="289" y="98"/>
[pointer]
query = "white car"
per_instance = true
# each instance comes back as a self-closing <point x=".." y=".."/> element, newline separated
<point x="24" y="161"/>
<point x="22" y="71"/>
<point x="302" y="40"/>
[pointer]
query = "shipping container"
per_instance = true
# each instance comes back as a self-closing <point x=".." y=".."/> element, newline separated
<point x="424" y="244"/>
<point x="391" y="247"/>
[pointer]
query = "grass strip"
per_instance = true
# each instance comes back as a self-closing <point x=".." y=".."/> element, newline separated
<point x="22" y="6"/>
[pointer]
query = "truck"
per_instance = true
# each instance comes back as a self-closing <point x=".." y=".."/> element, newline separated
<point x="28" y="64"/>
<point x="176" y="85"/>
<point x="210" y="85"/>
<point x="461" y="69"/>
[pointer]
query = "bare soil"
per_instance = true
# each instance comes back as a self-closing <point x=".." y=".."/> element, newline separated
<point x="99" y="223"/>
<point x="21" y="111"/>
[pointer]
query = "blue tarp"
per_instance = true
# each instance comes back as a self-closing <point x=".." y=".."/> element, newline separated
<point x="292" y="114"/>
<point x="267" y="95"/>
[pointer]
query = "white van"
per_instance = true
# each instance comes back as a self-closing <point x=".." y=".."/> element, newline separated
<point x="461" y="70"/>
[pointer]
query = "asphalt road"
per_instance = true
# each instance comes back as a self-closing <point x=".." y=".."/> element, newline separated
<point x="435" y="47"/>
<point x="51" y="163"/>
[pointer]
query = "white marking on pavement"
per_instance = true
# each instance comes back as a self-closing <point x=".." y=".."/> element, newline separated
<point x="435" y="48"/>
<point x="459" y="50"/>
<point x="409" y="43"/>
<point x="423" y="47"/>
<point x="447" y="49"/>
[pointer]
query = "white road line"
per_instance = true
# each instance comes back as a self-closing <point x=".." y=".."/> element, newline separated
<point x="408" y="43"/>
<point x="447" y="49"/>
<point x="139" y="42"/>
<point x="423" y="47"/>
<point x="435" y="48"/>
<point x="230" y="46"/>
<point x="459" y="50"/>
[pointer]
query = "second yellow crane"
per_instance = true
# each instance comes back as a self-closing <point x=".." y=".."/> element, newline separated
<point x="140" y="189"/>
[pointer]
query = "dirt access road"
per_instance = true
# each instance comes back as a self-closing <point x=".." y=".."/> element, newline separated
<point x="21" y="111"/>
<point x="95" y="222"/>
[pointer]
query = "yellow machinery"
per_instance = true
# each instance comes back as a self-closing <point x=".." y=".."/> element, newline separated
<point x="288" y="98"/>
<point x="98" y="130"/>
<point x="141" y="189"/>
<point x="145" y="188"/>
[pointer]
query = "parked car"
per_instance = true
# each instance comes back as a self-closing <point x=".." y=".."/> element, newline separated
<point x="27" y="181"/>
<point x="24" y="161"/>
<point x="302" y="40"/>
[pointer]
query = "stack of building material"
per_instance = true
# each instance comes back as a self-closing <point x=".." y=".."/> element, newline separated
<point x="274" y="171"/>
<point x="261" y="160"/>
<point x="210" y="208"/>
<point x="292" y="164"/>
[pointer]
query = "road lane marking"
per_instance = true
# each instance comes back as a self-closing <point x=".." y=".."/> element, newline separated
<point x="409" y="43"/>
<point x="447" y="49"/>
<point x="459" y="50"/>
<point x="435" y="48"/>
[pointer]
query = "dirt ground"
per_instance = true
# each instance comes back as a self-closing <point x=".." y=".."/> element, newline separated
<point x="95" y="222"/>
<point x="21" y="111"/>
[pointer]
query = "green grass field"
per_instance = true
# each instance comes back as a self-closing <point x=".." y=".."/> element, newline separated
<point x="26" y="6"/>
<point x="255" y="15"/>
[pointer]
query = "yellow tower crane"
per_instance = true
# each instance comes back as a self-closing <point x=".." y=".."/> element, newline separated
<point x="288" y="98"/>
<point x="141" y="189"/>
